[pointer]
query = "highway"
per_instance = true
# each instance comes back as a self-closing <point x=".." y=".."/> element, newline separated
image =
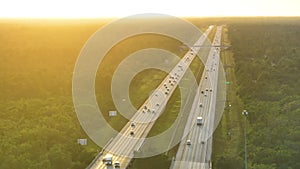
<point x="133" y="134"/>
<point x="198" y="153"/>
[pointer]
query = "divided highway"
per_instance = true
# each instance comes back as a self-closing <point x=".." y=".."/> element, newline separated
<point x="196" y="146"/>
<point x="132" y="136"/>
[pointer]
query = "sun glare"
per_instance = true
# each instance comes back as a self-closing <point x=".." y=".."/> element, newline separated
<point x="119" y="8"/>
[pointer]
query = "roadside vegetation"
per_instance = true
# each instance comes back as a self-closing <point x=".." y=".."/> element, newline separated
<point x="38" y="124"/>
<point x="267" y="60"/>
<point x="143" y="83"/>
<point x="227" y="138"/>
<point x="39" y="127"/>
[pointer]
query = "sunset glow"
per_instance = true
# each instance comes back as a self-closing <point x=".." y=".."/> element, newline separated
<point x="119" y="8"/>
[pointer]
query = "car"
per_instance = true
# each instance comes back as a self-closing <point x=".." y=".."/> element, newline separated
<point x="157" y="104"/>
<point x="205" y="94"/>
<point x="132" y="124"/>
<point x="188" y="142"/>
<point x="202" y="142"/>
<point x="131" y="132"/>
<point x="206" y="89"/>
<point x="200" y="105"/>
<point x="210" y="89"/>
<point x="202" y="92"/>
<point x="117" y="164"/>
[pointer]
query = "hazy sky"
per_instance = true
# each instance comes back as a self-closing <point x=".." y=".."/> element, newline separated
<point x="119" y="8"/>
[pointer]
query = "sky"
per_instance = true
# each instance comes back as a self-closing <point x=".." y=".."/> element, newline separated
<point x="121" y="8"/>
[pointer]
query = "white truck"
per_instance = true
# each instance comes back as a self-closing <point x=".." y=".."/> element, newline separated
<point x="107" y="159"/>
<point x="199" y="120"/>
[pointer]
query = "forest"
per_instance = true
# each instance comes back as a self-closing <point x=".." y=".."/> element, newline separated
<point x="38" y="123"/>
<point x="267" y="67"/>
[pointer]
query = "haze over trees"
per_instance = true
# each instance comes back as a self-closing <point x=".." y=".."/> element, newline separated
<point x="39" y="127"/>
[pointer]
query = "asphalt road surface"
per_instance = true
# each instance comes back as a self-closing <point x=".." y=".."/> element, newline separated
<point x="197" y="154"/>
<point x="132" y="136"/>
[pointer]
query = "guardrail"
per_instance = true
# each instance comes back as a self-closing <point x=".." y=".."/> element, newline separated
<point x="96" y="159"/>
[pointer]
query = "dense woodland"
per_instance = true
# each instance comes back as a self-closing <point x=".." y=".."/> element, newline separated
<point x="38" y="125"/>
<point x="267" y="67"/>
<point x="39" y="128"/>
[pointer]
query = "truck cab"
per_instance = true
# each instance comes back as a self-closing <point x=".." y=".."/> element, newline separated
<point x="107" y="159"/>
<point x="199" y="120"/>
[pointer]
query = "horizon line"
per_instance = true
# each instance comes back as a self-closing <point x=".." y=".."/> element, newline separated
<point x="91" y="18"/>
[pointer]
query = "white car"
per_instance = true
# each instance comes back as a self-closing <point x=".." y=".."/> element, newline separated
<point x="117" y="164"/>
<point x="188" y="142"/>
